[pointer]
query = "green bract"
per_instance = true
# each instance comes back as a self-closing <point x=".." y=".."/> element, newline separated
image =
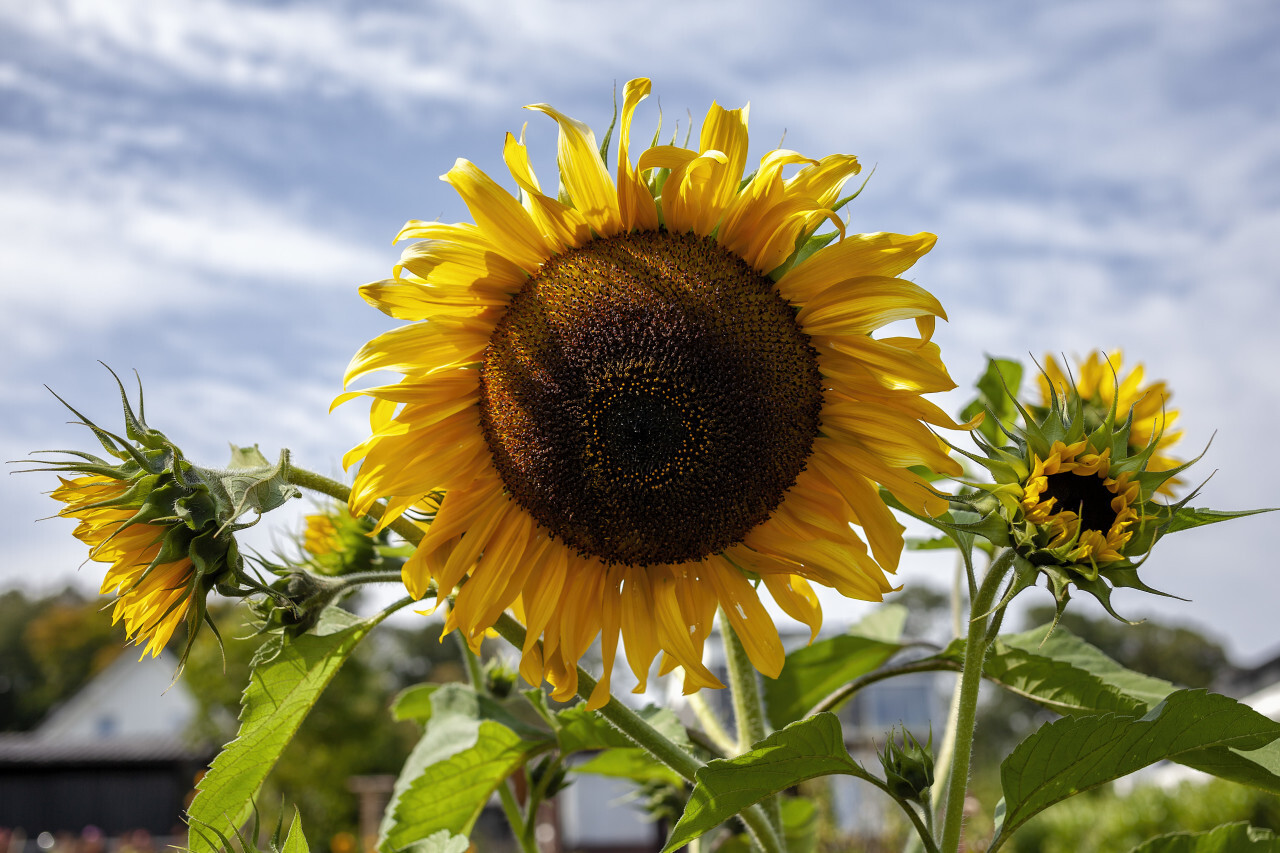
<point x="1068" y="494"/>
<point x="165" y="524"/>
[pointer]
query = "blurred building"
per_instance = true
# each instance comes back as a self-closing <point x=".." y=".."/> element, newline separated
<point x="113" y="758"/>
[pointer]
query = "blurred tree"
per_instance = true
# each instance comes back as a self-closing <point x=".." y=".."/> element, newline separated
<point x="49" y="647"/>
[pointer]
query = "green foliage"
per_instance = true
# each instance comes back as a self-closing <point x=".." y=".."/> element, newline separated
<point x="1232" y="838"/>
<point x="812" y="672"/>
<point x="288" y="676"/>
<point x="1064" y="674"/>
<point x="1106" y="820"/>
<point x="803" y="750"/>
<point x="1174" y="653"/>
<point x="470" y="745"/>
<point x="997" y="388"/>
<point x="1075" y="754"/>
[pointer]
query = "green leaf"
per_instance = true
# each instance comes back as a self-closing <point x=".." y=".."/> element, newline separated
<point x="814" y="671"/>
<point x="471" y="744"/>
<point x="1187" y="517"/>
<point x="1072" y="755"/>
<point x="578" y="729"/>
<point x="1259" y="768"/>
<point x="414" y="703"/>
<point x="1228" y="838"/>
<point x="630" y="763"/>
<point x="724" y="787"/>
<point x="1065" y="674"/>
<point x="439" y="842"/>
<point x="288" y="676"/>
<point x="800" y="824"/>
<point x="295" y="841"/>
<point x="993" y="398"/>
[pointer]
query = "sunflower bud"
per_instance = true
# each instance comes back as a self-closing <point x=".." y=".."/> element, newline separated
<point x="1074" y="494"/>
<point x="908" y="765"/>
<point x="165" y="525"/>
<point x="338" y="544"/>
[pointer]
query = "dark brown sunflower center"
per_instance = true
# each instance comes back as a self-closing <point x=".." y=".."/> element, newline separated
<point x="1087" y="496"/>
<point x="649" y="398"/>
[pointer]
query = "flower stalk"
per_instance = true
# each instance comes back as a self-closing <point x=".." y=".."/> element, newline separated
<point x="975" y="653"/>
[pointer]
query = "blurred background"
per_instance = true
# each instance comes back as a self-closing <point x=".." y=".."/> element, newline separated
<point x="195" y="190"/>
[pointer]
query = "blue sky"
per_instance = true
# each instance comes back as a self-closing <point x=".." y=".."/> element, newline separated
<point x="196" y="190"/>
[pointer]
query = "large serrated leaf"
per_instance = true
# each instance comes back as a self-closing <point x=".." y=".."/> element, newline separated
<point x="471" y="744"/>
<point x="1259" y="768"/>
<point x="814" y="671"/>
<point x="630" y="763"/>
<point x="287" y="677"/>
<point x="1228" y="838"/>
<point x="1065" y="674"/>
<point x="1072" y="755"/>
<point x="803" y="750"/>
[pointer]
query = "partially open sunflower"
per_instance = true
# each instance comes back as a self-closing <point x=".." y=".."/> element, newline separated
<point x="639" y="398"/>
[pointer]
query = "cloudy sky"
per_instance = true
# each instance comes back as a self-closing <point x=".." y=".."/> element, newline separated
<point x="196" y="189"/>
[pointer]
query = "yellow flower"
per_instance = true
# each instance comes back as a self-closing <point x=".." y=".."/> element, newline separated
<point x="153" y="596"/>
<point x="641" y="396"/>
<point x="1100" y="382"/>
<point x="1087" y="517"/>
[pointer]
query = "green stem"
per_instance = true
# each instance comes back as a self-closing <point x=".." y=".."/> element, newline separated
<point x="360" y="578"/>
<point x="748" y="706"/>
<point x="842" y="694"/>
<point x="342" y="492"/>
<point x="475" y="674"/>
<point x="712" y="727"/>
<point x="648" y="738"/>
<point x="948" y="744"/>
<point x="975" y="653"/>
<point x="519" y="825"/>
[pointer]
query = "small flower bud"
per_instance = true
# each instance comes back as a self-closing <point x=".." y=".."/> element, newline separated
<point x="908" y="766"/>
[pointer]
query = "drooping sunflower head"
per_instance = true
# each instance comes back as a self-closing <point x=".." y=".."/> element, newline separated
<point x="164" y="525"/>
<point x="1074" y="496"/>
<point x="645" y="398"/>
<point x="1101" y="384"/>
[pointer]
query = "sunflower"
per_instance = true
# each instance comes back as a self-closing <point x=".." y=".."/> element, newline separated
<point x="1101" y="383"/>
<point x="1085" y="515"/>
<point x="153" y="594"/>
<point x="641" y="397"/>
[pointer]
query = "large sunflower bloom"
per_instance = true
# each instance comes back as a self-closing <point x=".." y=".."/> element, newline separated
<point x="640" y="396"/>
<point x="153" y="595"/>
<point x="1101" y="382"/>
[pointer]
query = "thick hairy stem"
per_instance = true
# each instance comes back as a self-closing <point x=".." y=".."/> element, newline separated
<point x="342" y="492"/>
<point x="975" y="653"/>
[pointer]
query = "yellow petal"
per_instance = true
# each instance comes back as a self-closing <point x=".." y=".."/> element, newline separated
<point x="797" y="599"/>
<point x="500" y="217"/>
<point x="561" y="225"/>
<point x="880" y="254"/>
<point x="747" y="616"/>
<point x="636" y="205"/>
<point x="583" y="173"/>
<point x="862" y="305"/>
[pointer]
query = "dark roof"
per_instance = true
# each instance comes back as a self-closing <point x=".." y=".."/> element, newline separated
<point x="28" y="750"/>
